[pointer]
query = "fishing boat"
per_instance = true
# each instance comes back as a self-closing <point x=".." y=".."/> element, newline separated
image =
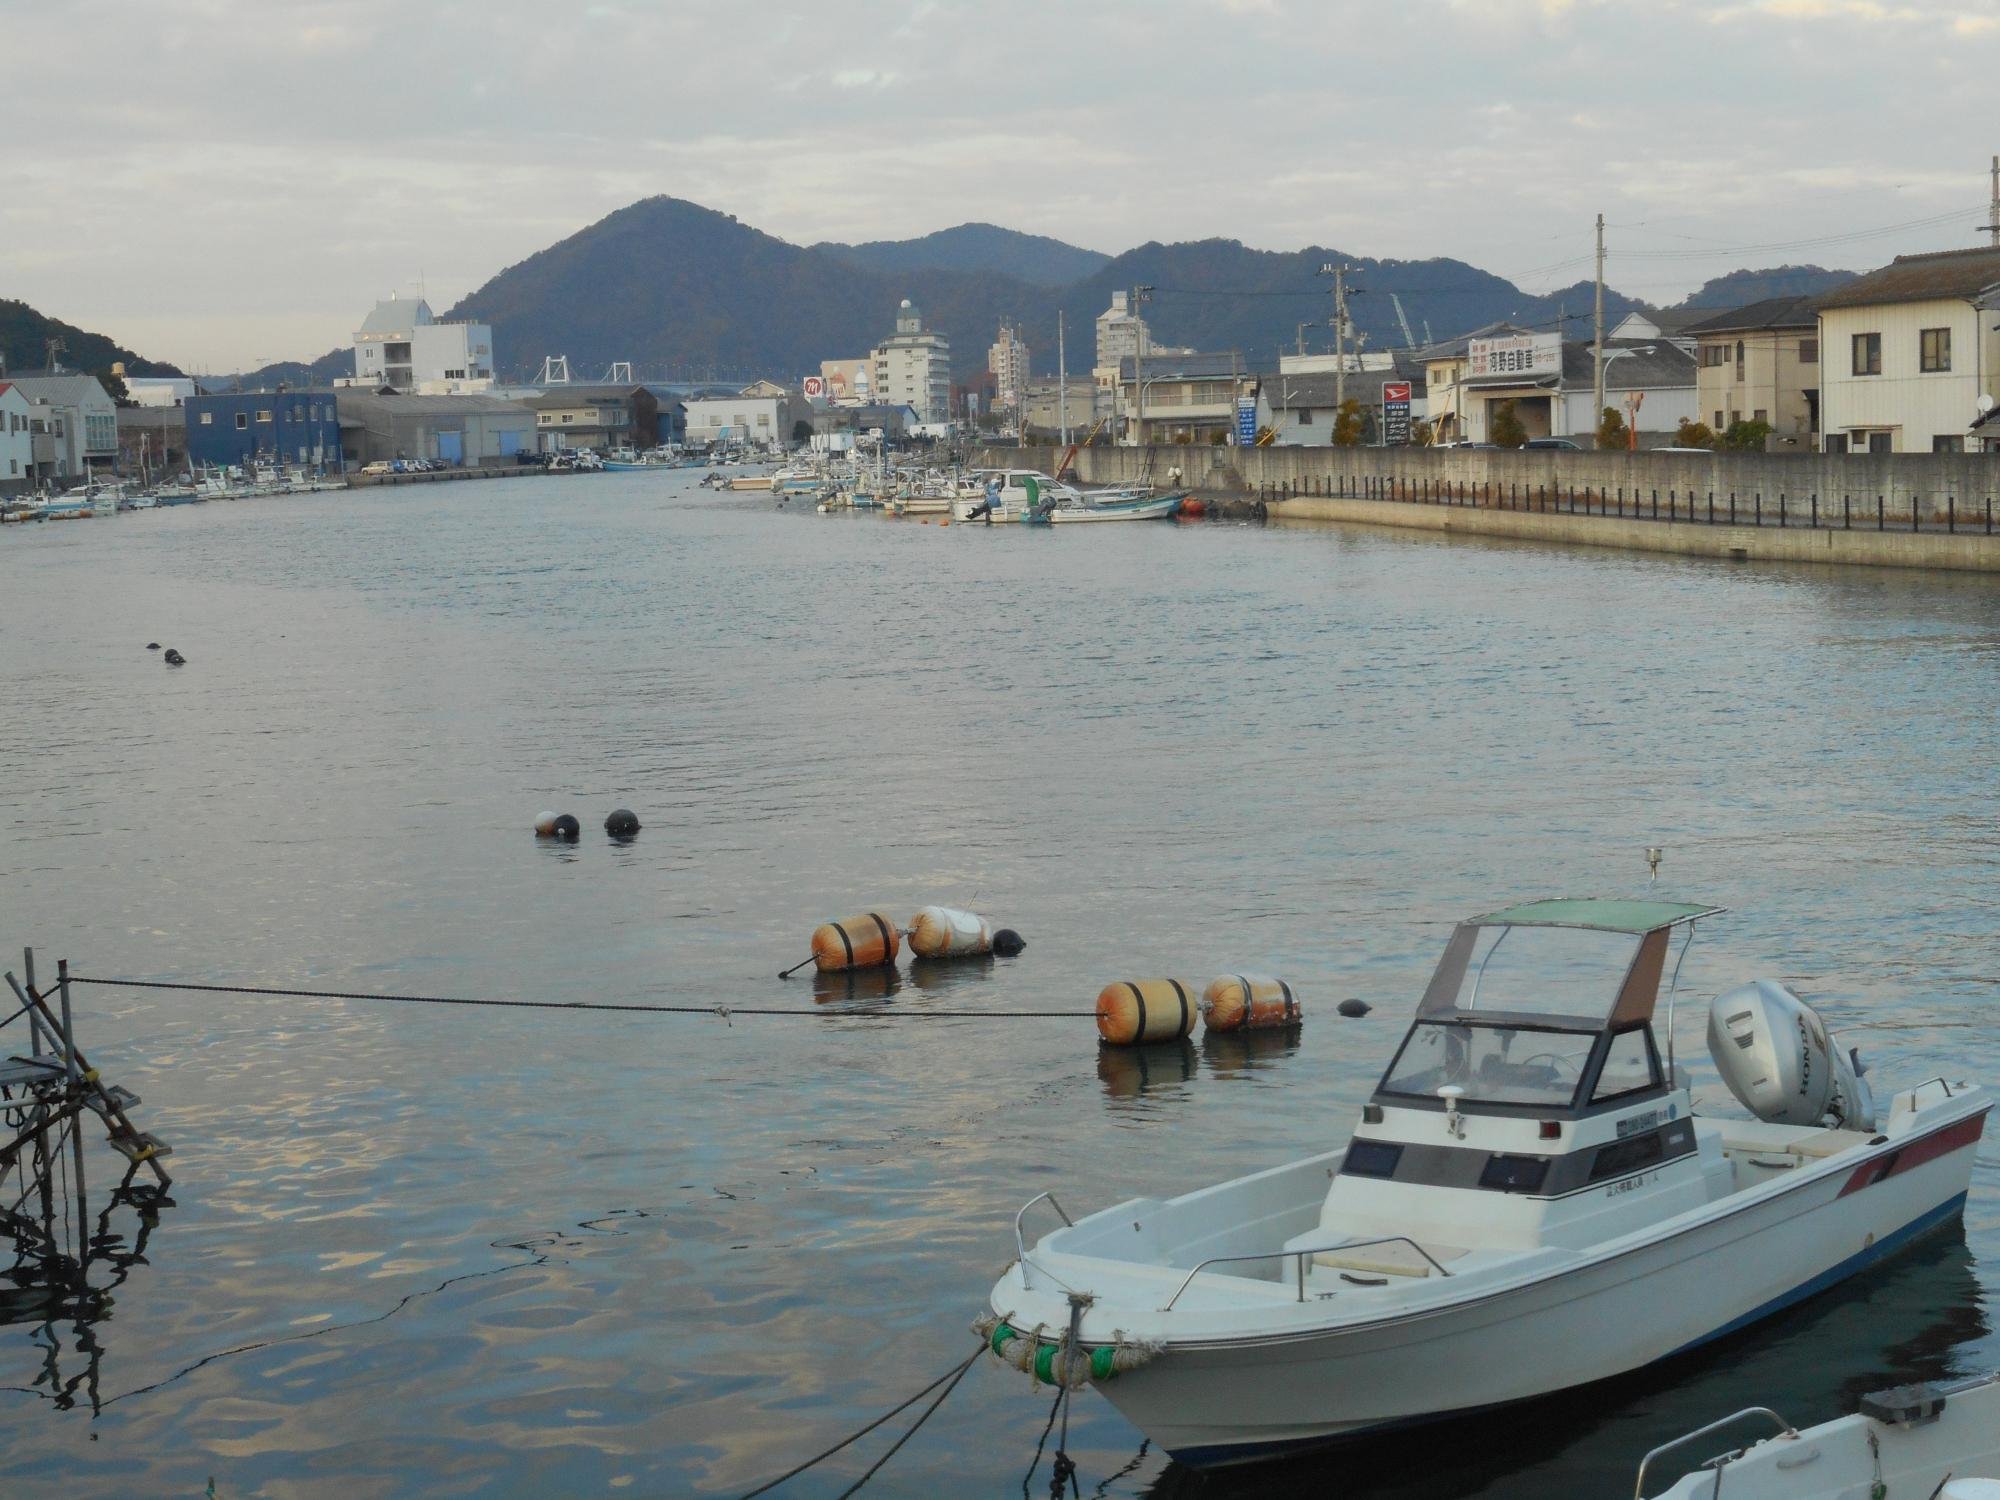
<point x="1927" y="1441"/>
<point x="1529" y="1203"/>
<point x="1151" y="508"/>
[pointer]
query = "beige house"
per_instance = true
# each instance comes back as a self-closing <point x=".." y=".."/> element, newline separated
<point x="1911" y="357"/>
<point x="1761" y="364"/>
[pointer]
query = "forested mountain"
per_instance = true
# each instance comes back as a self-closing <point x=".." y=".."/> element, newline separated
<point x="24" y="342"/>
<point x="1033" y="258"/>
<point x="1741" y="288"/>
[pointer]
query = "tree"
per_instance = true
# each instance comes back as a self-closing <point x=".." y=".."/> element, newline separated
<point x="1611" y="430"/>
<point x="1347" y="424"/>
<point x="1420" y="433"/>
<point x="1505" y="429"/>
<point x="1693" y="435"/>
<point x="1746" y="437"/>
<point x="114" y="387"/>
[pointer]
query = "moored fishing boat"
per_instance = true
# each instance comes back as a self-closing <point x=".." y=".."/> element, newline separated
<point x="1151" y="508"/>
<point x="1934" y="1441"/>
<point x="1529" y="1204"/>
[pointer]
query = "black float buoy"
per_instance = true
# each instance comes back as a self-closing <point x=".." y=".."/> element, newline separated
<point x="1354" y="1009"/>
<point x="174" y="658"/>
<point x="568" y="829"/>
<point x="152" y="645"/>
<point x="1007" y="942"/>
<point x="622" y="824"/>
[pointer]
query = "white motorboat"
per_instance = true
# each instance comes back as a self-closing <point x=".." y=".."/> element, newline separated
<point x="1151" y="508"/>
<point x="1528" y="1204"/>
<point x="1929" y="1442"/>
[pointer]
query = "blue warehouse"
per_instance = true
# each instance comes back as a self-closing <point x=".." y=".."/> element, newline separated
<point x="280" y="427"/>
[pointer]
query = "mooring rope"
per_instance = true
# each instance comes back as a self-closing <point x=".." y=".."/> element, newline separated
<point x="953" y="1375"/>
<point x="723" y="1012"/>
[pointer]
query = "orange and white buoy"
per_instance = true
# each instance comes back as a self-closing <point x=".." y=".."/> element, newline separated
<point x="1135" y="1011"/>
<point x="857" y="943"/>
<point x="1248" y="1002"/>
<point x="947" y="932"/>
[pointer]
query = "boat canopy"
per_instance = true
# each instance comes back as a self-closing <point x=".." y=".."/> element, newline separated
<point x="1572" y="965"/>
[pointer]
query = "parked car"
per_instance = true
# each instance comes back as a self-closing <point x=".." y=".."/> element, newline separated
<point x="380" y="466"/>
<point x="1545" y="444"/>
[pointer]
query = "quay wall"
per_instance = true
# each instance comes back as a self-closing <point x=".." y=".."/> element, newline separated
<point x="1934" y="511"/>
<point x="359" y="481"/>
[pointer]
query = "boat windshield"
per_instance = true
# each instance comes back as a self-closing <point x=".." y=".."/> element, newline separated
<point x="1546" y="971"/>
<point x="1493" y="1064"/>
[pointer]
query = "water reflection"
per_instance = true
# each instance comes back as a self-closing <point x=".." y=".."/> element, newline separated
<point x="878" y="983"/>
<point x="1241" y="1054"/>
<point x="938" y="976"/>
<point x="1132" y="1072"/>
<point x="1812" y="1363"/>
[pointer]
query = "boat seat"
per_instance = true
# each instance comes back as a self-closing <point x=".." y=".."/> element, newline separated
<point x="1797" y="1140"/>
<point x="1391" y="1259"/>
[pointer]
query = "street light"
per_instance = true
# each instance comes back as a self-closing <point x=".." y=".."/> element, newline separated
<point x="1632" y="430"/>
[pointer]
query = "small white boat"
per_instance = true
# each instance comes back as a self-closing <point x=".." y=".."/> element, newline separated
<point x="1152" y="508"/>
<point x="1929" y="1442"/>
<point x="1528" y="1204"/>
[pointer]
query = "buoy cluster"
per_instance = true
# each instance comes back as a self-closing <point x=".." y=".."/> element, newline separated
<point x="872" y="939"/>
<point x="1134" y="1012"/>
<point x="622" y="825"/>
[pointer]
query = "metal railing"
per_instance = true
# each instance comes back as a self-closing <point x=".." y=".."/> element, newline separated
<point x="1224" y="1260"/>
<point x="1020" y="1244"/>
<point x="1946" y="514"/>
<point x="1785" y="1429"/>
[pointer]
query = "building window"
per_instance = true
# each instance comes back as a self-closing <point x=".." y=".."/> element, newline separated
<point x="243" y="421"/>
<point x="1952" y="443"/>
<point x="1717" y="424"/>
<point x="566" y="416"/>
<point x="1305" y="417"/>
<point x="1760" y="415"/>
<point x="1808" y="351"/>
<point x="1936" y="351"/>
<point x="1881" y="442"/>
<point x="1739" y="359"/>
<point x="1868" y="354"/>
<point x="264" y="417"/>
<point x="1715" y="356"/>
<point x="208" y="419"/>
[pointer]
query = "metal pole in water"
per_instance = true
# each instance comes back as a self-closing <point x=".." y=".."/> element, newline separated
<point x="34" y="1017"/>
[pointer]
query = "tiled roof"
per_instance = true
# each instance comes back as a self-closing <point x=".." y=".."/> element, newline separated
<point x="1921" y="278"/>
<point x="1773" y="312"/>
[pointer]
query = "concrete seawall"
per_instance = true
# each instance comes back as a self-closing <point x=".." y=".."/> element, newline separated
<point x="360" y="481"/>
<point x="1952" y="499"/>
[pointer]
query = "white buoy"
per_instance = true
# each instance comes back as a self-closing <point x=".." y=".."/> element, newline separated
<point x="545" y="825"/>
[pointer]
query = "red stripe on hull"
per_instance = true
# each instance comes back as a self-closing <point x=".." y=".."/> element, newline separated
<point x="1916" y="1153"/>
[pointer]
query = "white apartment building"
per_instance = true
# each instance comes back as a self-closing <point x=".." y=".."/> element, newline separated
<point x="401" y="345"/>
<point x="1908" y="352"/>
<point x="1121" y="334"/>
<point x="17" y="438"/>
<point x="913" y="368"/>
<point x="76" y="413"/>
<point x="1007" y="361"/>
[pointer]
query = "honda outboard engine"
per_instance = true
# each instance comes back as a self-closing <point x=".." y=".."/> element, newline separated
<point x="1774" y="1052"/>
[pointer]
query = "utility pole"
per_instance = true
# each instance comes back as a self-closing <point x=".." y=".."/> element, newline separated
<point x="1139" y="294"/>
<point x="1062" y="387"/>
<point x="1597" y="351"/>
<point x="1339" y="275"/>
<point x="1993" y="219"/>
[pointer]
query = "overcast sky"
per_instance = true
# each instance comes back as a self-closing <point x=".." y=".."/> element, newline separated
<point x="221" y="182"/>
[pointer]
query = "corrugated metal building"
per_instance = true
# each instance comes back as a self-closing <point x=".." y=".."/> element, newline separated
<point x="286" y="427"/>
<point x="462" y="430"/>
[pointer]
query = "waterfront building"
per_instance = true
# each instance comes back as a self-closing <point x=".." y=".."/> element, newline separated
<point x="17" y="438"/>
<point x="848" y="381"/>
<point x="759" y="420"/>
<point x="892" y="421"/>
<point x="1444" y="365"/>
<point x="278" y="427"/>
<point x="1047" y="404"/>
<point x="402" y="346"/>
<point x="1299" y="409"/>
<point x="1007" y="362"/>
<point x="77" y="416"/>
<point x="155" y="390"/>
<point x="1121" y="334"/>
<point x="1184" y="398"/>
<point x="596" y="416"/>
<point x="469" y="431"/>
<point x="151" y="439"/>
<point x="1908" y="353"/>
<point x="1551" y="383"/>
<point x="1761" y="364"/>
<point x="912" y="367"/>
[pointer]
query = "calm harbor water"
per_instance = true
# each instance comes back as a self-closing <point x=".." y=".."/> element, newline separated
<point x="471" y="1252"/>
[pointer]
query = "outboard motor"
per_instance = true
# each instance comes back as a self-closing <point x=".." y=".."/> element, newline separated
<point x="1775" y="1054"/>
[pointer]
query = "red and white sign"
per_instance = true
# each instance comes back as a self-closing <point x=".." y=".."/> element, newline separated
<point x="815" y="387"/>
<point x="1395" y="390"/>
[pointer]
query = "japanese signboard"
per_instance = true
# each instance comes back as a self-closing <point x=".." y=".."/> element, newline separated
<point x="1246" y="422"/>
<point x="1395" y="412"/>
<point x="815" y="387"/>
<point x="1529" y="354"/>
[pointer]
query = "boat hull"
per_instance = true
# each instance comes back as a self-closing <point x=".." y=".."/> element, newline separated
<point x="1605" y="1312"/>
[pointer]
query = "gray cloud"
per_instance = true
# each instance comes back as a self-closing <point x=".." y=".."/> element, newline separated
<point x="218" y="181"/>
